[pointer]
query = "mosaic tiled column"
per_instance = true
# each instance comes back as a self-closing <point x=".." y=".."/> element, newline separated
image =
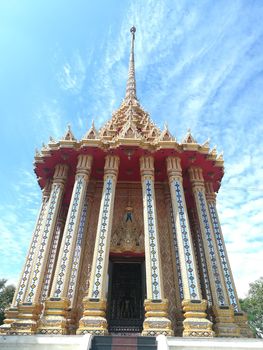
<point x="240" y="317"/>
<point x="205" y="284"/>
<point x="72" y="320"/>
<point x="179" y="318"/>
<point x="224" y="313"/>
<point x="54" y="320"/>
<point x="93" y="320"/>
<point x="156" y="306"/>
<point x="19" y="296"/>
<point x="195" y="323"/>
<point x="29" y="310"/>
<point x="53" y="254"/>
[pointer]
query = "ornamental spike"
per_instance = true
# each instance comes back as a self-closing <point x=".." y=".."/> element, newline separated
<point x="131" y="82"/>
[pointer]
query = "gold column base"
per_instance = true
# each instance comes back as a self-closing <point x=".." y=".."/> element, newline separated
<point x="156" y="321"/>
<point x="93" y="320"/>
<point x="225" y="325"/>
<point x="10" y="317"/>
<point x="27" y="319"/>
<point x="241" y="321"/>
<point x="196" y="324"/>
<point x="54" y="320"/>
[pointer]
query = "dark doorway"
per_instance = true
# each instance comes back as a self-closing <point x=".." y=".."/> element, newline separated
<point x="126" y="297"/>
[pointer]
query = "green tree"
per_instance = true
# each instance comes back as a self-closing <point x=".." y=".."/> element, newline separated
<point x="253" y="305"/>
<point x="6" y="296"/>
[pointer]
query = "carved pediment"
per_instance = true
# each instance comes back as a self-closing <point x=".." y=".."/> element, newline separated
<point x="129" y="131"/>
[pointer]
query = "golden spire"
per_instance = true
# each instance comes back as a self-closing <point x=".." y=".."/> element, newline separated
<point x="131" y="83"/>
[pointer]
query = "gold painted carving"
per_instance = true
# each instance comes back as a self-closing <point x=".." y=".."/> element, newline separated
<point x="127" y="237"/>
<point x="156" y="321"/>
<point x="195" y="323"/>
<point x="93" y="320"/>
<point x="225" y="325"/>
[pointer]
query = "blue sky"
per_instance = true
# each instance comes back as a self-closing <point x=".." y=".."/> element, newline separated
<point x="199" y="65"/>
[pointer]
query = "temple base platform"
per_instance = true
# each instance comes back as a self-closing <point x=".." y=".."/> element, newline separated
<point x="89" y="342"/>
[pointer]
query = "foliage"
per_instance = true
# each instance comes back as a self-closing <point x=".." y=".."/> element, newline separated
<point x="253" y="305"/>
<point x="6" y="296"/>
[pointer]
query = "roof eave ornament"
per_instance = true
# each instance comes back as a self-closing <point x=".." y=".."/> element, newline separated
<point x="131" y="82"/>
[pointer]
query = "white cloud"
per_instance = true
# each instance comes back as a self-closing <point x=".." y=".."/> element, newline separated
<point x="50" y="120"/>
<point x="17" y="219"/>
<point x="72" y="75"/>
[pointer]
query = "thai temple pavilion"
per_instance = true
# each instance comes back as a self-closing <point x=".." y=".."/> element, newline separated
<point x="128" y="238"/>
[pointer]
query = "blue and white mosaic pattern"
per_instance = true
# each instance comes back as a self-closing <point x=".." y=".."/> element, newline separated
<point x="204" y="268"/>
<point x="186" y="243"/>
<point x="56" y="189"/>
<point x="152" y="240"/>
<point x="104" y="227"/>
<point x="177" y="260"/>
<point x="51" y="262"/>
<point x="30" y="257"/>
<point x="222" y="255"/>
<point x="77" y="254"/>
<point x="69" y="234"/>
<point x="212" y="253"/>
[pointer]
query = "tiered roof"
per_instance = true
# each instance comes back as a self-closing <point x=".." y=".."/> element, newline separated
<point x="129" y="131"/>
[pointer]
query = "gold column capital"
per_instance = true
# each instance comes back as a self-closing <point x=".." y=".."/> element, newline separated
<point x="60" y="174"/>
<point x="196" y="174"/>
<point x="84" y="165"/>
<point x="196" y="178"/>
<point x="209" y="192"/>
<point x="111" y="165"/>
<point x="47" y="189"/>
<point x="147" y="166"/>
<point x="174" y="169"/>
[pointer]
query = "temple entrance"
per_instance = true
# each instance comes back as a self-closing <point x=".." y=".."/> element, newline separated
<point x="126" y="296"/>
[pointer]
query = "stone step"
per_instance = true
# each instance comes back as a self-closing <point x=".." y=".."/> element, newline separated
<point x="123" y="343"/>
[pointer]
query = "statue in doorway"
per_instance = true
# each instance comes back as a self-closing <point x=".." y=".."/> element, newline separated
<point x="127" y="306"/>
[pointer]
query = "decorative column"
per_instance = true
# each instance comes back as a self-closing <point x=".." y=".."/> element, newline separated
<point x="179" y="317"/>
<point x="29" y="310"/>
<point x="12" y="312"/>
<point x="202" y="260"/>
<point x="195" y="323"/>
<point x="224" y="313"/>
<point x="156" y="321"/>
<point x="53" y="254"/>
<point x="94" y="315"/>
<point x="54" y="320"/>
<point x="240" y="317"/>
<point x="73" y="289"/>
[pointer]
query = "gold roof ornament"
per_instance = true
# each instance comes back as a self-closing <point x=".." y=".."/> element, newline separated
<point x="91" y="133"/>
<point x="189" y="137"/>
<point x="165" y="134"/>
<point x="69" y="135"/>
<point x="206" y="144"/>
<point x="220" y="160"/>
<point x="213" y="151"/>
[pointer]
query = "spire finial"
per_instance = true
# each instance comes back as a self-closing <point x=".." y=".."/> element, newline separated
<point x="131" y="83"/>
